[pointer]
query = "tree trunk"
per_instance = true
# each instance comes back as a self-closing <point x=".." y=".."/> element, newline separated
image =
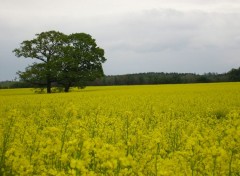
<point x="48" y="83"/>
<point x="48" y="76"/>
<point x="48" y="86"/>
<point x="66" y="88"/>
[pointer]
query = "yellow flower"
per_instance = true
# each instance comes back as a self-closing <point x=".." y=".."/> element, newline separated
<point x="73" y="163"/>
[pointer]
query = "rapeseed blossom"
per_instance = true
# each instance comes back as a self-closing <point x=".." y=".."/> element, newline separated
<point x="161" y="130"/>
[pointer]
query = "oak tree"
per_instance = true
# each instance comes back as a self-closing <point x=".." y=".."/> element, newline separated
<point x="66" y="60"/>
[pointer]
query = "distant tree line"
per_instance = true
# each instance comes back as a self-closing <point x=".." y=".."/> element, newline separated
<point x="167" y="78"/>
<point x="148" y="78"/>
<point x="14" y="84"/>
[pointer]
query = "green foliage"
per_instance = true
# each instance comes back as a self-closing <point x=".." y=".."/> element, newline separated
<point x="13" y="84"/>
<point x="81" y="62"/>
<point x="160" y="78"/>
<point x="66" y="60"/>
<point x="35" y="73"/>
<point x="234" y="74"/>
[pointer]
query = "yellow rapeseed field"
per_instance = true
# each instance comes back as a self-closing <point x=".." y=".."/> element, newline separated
<point x="191" y="129"/>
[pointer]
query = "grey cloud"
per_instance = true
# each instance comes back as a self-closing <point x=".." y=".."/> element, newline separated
<point x="154" y="36"/>
<point x="159" y="30"/>
<point x="185" y="42"/>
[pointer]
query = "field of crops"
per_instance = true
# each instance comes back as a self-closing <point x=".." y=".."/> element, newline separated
<point x="191" y="129"/>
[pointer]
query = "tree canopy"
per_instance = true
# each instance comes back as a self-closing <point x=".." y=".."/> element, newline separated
<point x="234" y="74"/>
<point x="65" y="60"/>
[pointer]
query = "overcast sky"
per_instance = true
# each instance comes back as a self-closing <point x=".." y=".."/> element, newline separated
<point x="194" y="36"/>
